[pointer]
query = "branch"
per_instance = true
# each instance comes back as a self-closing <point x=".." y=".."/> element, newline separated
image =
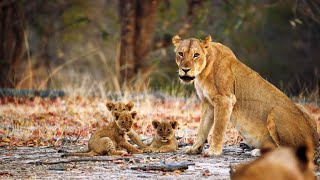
<point x="86" y="159"/>
<point x="164" y="167"/>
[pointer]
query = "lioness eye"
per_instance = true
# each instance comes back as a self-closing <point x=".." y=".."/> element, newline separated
<point x="180" y="54"/>
<point x="196" y="55"/>
<point x="122" y="122"/>
<point x="123" y="109"/>
<point x="160" y="130"/>
<point x="115" y="109"/>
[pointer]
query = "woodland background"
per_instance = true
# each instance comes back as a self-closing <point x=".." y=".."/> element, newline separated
<point x="97" y="46"/>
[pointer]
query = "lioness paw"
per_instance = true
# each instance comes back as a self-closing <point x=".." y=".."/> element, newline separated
<point x="209" y="152"/>
<point x="192" y="150"/>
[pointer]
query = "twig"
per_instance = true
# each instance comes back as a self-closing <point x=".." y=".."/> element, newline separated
<point x="86" y="159"/>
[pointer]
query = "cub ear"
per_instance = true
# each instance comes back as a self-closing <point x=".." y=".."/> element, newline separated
<point x="176" y="40"/>
<point x="133" y="114"/>
<point x="304" y="153"/>
<point x="155" y="124"/>
<point x="129" y="105"/>
<point x="116" y="114"/>
<point x="174" y="124"/>
<point x="206" y="42"/>
<point x="110" y="105"/>
<point x="267" y="147"/>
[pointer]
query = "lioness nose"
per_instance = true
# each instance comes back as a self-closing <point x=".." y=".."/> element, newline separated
<point x="185" y="69"/>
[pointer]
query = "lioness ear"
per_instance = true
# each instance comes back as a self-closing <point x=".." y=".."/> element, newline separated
<point x="110" y="105"/>
<point x="129" y="105"/>
<point x="267" y="147"/>
<point x="304" y="153"/>
<point x="176" y="40"/>
<point x="174" y="124"/>
<point x="116" y="114"/>
<point x="206" y="42"/>
<point x="133" y="114"/>
<point x="155" y="124"/>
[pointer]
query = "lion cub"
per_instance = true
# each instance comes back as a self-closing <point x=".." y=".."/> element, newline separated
<point x="279" y="163"/>
<point x="164" y="140"/>
<point x="120" y="107"/>
<point x="108" y="139"/>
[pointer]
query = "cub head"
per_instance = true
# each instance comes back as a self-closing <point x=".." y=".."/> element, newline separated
<point x="119" y="106"/>
<point x="191" y="56"/>
<point x="165" y="129"/>
<point x="124" y="120"/>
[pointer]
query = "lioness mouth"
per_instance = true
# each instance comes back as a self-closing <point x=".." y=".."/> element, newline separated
<point x="186" y="78"/>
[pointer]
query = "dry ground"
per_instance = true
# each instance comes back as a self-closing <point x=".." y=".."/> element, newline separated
<point x="34" y="130"/>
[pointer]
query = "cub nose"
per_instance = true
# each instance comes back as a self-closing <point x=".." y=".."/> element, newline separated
<point x="185" y="70"/>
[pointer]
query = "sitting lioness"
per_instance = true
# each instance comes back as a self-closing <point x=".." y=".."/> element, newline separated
<point x="279" y="163"/>
<point x="108" y="139"/>
<point x="231" y="91"/>
<point x="164" y="140"/>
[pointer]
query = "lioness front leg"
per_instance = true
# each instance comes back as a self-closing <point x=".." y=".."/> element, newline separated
<point x="223" y="106"/>
<point x="206" y="122"/>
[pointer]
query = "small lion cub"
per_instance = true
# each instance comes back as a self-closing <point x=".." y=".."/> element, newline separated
<point x="110" y="138"/>
<point x="279" y="163"/>
<point x="164" y="140"/>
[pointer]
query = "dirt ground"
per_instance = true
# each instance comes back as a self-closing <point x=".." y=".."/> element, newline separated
<point x="46" y="163"/>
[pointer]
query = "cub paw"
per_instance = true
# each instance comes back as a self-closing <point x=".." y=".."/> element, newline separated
<point x="210" y="152"/>
<point x="138" y="151"/>
<point x="193" y="150"/>
<point x="147" y="150"/>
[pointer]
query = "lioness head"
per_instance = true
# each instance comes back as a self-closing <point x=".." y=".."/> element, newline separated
<point x="165" y="129"/>
<point x="124" y="120"/>
<point x="191" y="56"/>
<point x="119" y="106"/>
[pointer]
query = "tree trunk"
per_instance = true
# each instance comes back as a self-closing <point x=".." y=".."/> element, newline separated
<point x="137" y="19"/>
<point x="11" y="42"/>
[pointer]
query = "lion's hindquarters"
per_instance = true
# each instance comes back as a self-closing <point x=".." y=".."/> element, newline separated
<point x="288" y="126"/>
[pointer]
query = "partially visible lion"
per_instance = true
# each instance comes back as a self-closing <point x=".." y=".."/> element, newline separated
<point x="110" y="138"/>
<point x="231" y="91"/>
<point x="164" y="140"/>
<point x="279" y="163"/>
<point x="119" y="107"/>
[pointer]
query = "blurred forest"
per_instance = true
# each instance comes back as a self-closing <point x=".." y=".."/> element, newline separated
<point x="91" y="47"/>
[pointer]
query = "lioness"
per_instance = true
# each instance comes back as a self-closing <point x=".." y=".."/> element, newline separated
<point x="108" y="139"/>
<point x="164" y="140"/>
<point x="229" y="90"/>
<point x="279" y="163"/>
<point x="119" y="107"/>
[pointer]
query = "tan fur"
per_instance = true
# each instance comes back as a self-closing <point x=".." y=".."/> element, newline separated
<point x="108" y="139"/>
<point x="119" y="107"/>
<point x="229" y="90"/>
<point x="279" y="163"/>
<point x="164" y="140"/>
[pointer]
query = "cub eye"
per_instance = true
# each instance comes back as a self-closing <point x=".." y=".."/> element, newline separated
<point x="124" y="109"/>
<point x="115" y="109"/>
<point x="180" y="54"/>
<point x="122" y="122"/>
<point x="196" y="55"/>
<point x="160" y="130"/>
